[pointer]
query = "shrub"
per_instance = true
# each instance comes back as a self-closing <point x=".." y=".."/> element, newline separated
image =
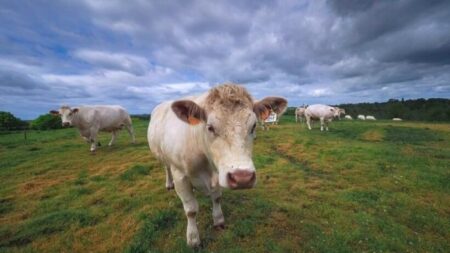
<point x="9" y="122"/>
<point x="46" y="122"/>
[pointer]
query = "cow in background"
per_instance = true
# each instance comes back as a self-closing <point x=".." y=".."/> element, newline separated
<point x="89" y="120"/>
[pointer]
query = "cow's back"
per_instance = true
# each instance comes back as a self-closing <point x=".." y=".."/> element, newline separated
<point x="105" y="117"/>
<point x="319" y="111"/>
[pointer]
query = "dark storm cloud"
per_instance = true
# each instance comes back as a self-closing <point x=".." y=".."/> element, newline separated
<point x="138" y="53"/>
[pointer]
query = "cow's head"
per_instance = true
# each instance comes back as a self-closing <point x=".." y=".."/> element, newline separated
<point x="335" y="111"/>
<point x="227" y="123"/>
<point x="66" y="114"/>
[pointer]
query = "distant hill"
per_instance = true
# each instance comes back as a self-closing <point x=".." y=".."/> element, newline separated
<point x="141" y="116"/>
<point x="433" y="109"/>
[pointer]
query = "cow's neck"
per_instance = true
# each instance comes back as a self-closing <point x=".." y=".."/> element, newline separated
<point x="76" y="120"/>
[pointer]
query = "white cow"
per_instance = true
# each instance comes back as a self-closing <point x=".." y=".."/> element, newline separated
<point x="348" y="117"/>
<point x="324" y="113"/>
<point x="397" y="119"/>
<point x="361" y="117"/>
<point x="299" y="114"/>
<point x="370" y="117"/>
<point x="91" y="119"/>
<point x="206" y="142"/>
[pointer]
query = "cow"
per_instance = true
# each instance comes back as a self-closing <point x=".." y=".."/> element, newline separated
<point x="348" y="117"/>
<point x="361" y="117"/>
<point x="324" y="113"/>
<point x="370" y="117"/>
<point x="397" y="119"/>
<point x="299" y="114"/>
<point x="89" y="120"/>
<point x="205" y="142"/>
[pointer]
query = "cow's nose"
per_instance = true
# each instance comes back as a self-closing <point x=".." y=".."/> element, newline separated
<point x="66" y="124"/>
<point x="241" y="179"/>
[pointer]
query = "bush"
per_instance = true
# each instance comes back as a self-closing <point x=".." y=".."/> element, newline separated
<point x="46" y="122"/>
<point x="9" y="122"/>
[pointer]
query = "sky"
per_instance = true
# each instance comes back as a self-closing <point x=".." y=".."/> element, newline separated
<point x="138" y="53"/>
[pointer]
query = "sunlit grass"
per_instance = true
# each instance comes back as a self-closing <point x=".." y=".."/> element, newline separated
<point x="362" y="186"/>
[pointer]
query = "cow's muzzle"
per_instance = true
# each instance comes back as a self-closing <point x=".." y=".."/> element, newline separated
<point x="241" y="179"/>
<point x="66" y="124"/>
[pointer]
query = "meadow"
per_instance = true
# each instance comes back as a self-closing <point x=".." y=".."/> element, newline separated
<point x="361" y="187"/>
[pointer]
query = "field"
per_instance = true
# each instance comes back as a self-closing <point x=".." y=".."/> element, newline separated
<point x="361" y="187"/>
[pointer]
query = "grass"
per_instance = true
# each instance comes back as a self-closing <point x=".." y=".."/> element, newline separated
<point x="361" y="187"/>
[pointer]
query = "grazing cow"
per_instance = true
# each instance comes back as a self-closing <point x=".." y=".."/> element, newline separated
<point x="91" y="119"/>
<point x="397" y="119"/>
<point x="348" y="117"/>
<point x="361" y="117"/>
<point x="299" y="114"/>
<point x="206" y="142"/>
<point x="370" y="117"/>
<point x="324" y="113"/>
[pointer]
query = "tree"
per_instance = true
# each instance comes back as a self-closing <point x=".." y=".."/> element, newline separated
<point x="46" y="122"/>
<point x="9" y="122"/>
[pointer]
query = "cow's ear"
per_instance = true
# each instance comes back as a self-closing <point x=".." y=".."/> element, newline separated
<point x="276" y="104"/>
<point x="54" y="113"/>
<point x="261" y="110"/>
<point x="189" y="112"/>
<point x="74" y="110"/>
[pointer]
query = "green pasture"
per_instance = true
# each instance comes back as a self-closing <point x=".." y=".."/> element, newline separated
<point x="378" y="186"/>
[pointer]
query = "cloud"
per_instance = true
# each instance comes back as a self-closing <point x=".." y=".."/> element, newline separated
<point x="117" y="61"/>
<point x="140" y="53"/>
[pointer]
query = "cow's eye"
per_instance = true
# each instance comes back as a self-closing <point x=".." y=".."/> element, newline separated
<point x="253" y="128"/>
<point x="211" y="129"/>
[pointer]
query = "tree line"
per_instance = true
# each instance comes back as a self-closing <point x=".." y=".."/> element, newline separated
<point x="433" y="109"/>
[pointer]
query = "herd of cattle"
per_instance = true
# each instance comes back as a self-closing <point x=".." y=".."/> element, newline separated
<point x="326" y="114"/>
<point x="204" y="142"/>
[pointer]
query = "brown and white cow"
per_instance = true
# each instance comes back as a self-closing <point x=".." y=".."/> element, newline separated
<point x="91" y="119"/>
<point x="206" y="142"/>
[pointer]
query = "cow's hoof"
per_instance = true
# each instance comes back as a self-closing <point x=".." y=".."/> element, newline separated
<point x="170" y="187"/>
<point x="220" y="226"/>
<point x="193" y="241"/>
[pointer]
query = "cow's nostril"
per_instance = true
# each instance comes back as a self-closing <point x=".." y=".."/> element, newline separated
<point x="241" y="179"/>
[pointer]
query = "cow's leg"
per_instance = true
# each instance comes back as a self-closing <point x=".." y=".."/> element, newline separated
<point x="93" y="139"/>
<point x="296" y="118"/>
<point x="322" y="122"/>
<point x="184" y="190"/>
<point x="131" y="132"/>
<point x="169" y="178"/>
<point x="308" y="122"/>
<point x="326" y="124"/>
<point x="219" y="221"/>
<point x="113" y="138"/>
